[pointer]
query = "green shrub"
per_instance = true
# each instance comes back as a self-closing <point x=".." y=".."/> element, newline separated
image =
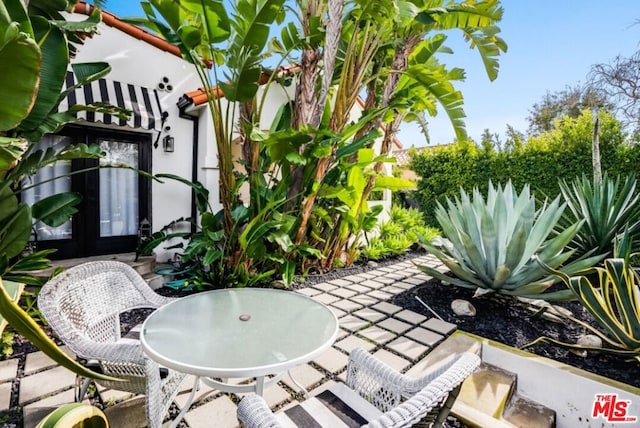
<point x="7" y="340"/>
<point x="390" y="228"/>
<point x="563" y="153"/>
<point x="492" y="243"/>
<point x="399" y="234"/>
<point x="375" y="250"/>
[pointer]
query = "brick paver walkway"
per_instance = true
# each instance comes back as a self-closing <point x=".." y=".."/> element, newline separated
<point x="396" y="336"/>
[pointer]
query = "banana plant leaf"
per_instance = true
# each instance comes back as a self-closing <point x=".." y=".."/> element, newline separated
<point x="19" y="56"/>
<point x="55" y="56"/>
<point x="15" y="224"/>
<point x="11" y="149"/>
<point x="56" y="210"/>
<point x="13" y="291"/>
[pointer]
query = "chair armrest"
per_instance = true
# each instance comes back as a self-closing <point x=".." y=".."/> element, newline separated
<point x="374" y="380"/>
<point x="150" y="300"/>
<point x="462" y="365"/>
<point x="155" y="300"/>
<point x="124" y="350"/>
<point x="431" y="396"/>
<point x="409" y="412"/>
<point x="253" y="412"/>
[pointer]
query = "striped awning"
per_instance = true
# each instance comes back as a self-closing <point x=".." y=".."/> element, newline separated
<point x="143" y="102"/>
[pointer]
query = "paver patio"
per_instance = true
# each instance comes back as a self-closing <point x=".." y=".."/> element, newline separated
<point x="401" y="338"/>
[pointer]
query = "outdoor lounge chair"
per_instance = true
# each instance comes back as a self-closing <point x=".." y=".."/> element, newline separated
<point x="375" y="396"/>
<point x="83" y="306"/>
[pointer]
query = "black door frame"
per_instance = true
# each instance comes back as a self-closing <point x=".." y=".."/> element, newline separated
<point x="86" y="240"/>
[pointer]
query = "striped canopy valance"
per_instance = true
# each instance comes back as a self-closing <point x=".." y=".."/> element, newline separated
<point x="143" y="102"/>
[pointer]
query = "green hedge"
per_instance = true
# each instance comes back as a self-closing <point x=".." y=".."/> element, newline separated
<point x="564" y="152"/>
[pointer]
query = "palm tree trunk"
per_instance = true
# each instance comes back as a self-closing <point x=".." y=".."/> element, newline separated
<point x="398" y="66"/>
<point x="309" y="103"/>
<point x="250" y="154"/>
<point x="304" y="111"/>
<point x="332" y="40"/>
<point x="400" y="62"/>
<point x="595" y="151"/>
<point x="321" y="170"/>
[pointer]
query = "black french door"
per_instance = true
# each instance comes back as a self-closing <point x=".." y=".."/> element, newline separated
<point x="114" y="200"/>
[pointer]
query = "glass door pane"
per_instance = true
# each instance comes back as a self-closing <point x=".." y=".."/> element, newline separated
<point x="118" y="189"/>
<point x="44" y="184"/>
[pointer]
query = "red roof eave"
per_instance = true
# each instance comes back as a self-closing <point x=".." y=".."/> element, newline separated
<point x="199" y="96"/>
<point x="137" y="32"/>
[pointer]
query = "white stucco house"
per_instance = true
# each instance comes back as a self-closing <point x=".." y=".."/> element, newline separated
<point x="170" y="131"/>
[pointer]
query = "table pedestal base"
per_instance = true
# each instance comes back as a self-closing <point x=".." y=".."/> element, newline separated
<point x="257" y="386"/>
<point x="223" y="385"/>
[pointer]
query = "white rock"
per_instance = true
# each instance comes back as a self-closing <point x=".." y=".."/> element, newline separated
<point x="590" y="340"/>
<point x="551" y="312"/>
<point x="440" y="242"/>
<point x="463" y="308"/>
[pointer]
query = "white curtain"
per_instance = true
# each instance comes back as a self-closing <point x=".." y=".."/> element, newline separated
<point x="118" y="190"/>
<point x="44" y="187"/>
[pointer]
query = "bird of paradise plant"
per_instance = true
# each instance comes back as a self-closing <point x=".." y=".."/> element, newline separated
<point x="342" y="49"/>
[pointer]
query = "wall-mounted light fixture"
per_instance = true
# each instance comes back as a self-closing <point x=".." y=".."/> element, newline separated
<point x="167" y="144"/>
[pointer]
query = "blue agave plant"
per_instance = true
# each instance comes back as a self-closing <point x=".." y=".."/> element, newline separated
<point x="491" y="244"/>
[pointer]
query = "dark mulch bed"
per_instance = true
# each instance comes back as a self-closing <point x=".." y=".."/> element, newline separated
<point x="511" y="323"/>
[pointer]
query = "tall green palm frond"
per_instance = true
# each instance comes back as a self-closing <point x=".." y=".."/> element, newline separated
<point x="478" y="22"/>
<point x="466" y="14"/>
<point x="423" y="83"/>
<point x="489" y="45"/>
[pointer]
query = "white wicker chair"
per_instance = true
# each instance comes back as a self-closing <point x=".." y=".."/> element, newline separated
<point x="400" y="401"/>
<point x="83" y="306"/>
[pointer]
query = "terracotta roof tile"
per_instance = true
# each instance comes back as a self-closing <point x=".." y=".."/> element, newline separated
<point x="403" y="157"/>
<point x="137" y="32"/>
<point x="199" y="96"/>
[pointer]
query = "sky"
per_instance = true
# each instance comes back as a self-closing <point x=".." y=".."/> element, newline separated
<point x="552" y="44"/>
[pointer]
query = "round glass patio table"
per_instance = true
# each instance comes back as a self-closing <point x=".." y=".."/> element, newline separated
<point x="238" y="333"/>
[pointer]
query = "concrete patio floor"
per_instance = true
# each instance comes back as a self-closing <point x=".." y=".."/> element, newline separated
<point x="399" y="337"/>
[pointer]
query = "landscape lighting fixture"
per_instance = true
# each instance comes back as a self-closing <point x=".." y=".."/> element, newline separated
<point x="167" y="144"/>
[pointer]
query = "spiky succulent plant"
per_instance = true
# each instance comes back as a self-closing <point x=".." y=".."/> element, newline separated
<point x="613" y="298"/>
<point x="491" y="244"/>
<point x="607" y="208"/>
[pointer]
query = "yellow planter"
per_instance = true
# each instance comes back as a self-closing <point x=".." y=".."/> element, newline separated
<point x="75" y="415"/>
